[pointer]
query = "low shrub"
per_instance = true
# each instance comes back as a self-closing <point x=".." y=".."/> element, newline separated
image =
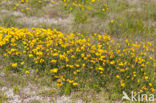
<point x="76" y="61"/>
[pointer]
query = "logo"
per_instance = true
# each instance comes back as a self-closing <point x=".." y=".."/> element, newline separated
<point x="125" y="96"/>
<point x="138" y="97"/>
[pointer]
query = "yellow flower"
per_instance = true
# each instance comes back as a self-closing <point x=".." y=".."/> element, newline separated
<point x="134" y="92"/>
<point x="146" y="77"/>
<point x="30" y="55"/>
<point x="22" y="63"/>
<point x="26" y="72"/>
<point x="59" y="80"/>
<point x="103" y="9"/>
<point x="152" y="89"/>
<point x="55" y="54"/>
<point x="72" y="56"/>
<point x="141" y="90"/>
<point x="71" y="8"/>
<point x="53" y="2"/>
<point x="77" y="65"/>
<point x="117" y="76"/>
<point x="78" y="70"/>
<point x="75" y="84"/>
<point x="112" y="21"/>
<point x="122" y="70"/>
<point x="5" y="54"/>
<point x="22" y="10"/>
<point x="121" y="64"/>
<point x="112" y="62"/>
<point x="123" y="84"/>
<point x="37" y="70"/>
<point x="82" y="55"/>
<point x="39" y="1"/>
<point x="83" y="65"/>
<point x="27" y="8"/>
<point x="41" y="60"/>
<point x="54" y="70"/>
<point x="26" y="1"/>
<point x="126" y="41"/>
<point x="150" y="84"/>
<point x="14" y="65"/>
<point x="71" y="66"/>
<point x="70" y="81"/>
<point x="100" y="68"/>
<point x="53" y="61"/>
<point x="93" y="1"/>
<point x="59" y="84"/>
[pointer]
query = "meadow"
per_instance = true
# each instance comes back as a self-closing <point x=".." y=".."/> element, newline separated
<point x="65" y="51"/>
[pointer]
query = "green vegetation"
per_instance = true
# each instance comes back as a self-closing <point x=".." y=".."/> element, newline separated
<point x="85" y="47"/>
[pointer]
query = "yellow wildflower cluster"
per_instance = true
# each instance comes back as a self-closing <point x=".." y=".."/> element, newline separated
<point x="86" y="5"/>
<point x="69" y="58"/>
<point x="70" y="5"/>
<point x="27" y="5"/>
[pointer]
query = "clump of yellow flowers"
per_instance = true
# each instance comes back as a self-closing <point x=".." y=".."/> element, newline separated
<point x="69" y="5"/>
<point x="86" y="5"/>
<point x="27" y="5"/>
<point x="93" y="60"/>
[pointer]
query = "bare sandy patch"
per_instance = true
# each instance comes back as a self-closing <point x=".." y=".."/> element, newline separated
<point x="48" y="21"/>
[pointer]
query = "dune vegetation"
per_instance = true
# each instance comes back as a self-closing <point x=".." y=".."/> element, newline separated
<point x="81" y="47"/>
